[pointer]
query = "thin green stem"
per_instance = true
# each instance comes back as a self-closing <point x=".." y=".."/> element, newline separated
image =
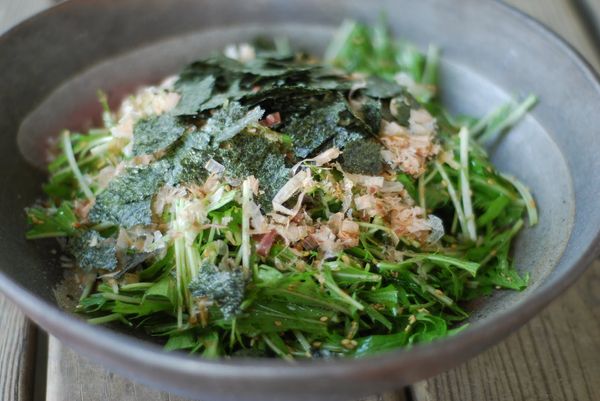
<point x="66" y="140"/>
<point x="465" y="188"/>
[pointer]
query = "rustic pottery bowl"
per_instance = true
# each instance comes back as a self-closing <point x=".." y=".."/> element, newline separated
<point x="53" y="63"/>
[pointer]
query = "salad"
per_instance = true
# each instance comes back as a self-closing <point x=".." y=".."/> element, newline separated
<point x="266" y="203"/>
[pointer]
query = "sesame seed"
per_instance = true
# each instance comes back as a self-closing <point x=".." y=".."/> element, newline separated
<point x="277" y="323"/>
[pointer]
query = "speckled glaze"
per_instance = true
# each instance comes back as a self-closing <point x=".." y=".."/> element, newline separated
<point x="53" y="64"/>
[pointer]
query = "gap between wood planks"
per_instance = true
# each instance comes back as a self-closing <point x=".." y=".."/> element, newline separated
<point x="17" y="353"/>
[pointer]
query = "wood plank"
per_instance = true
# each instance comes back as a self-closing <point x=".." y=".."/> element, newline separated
<point x="17" y="352"/>
<point x="73" y="377"/>
<point x="556" y="356"/>
<point x="562" y="17"/>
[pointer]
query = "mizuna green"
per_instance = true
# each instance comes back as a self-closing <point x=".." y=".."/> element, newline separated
<point x="266" y="203"/>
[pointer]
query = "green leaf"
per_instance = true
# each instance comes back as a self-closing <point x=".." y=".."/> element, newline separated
<point x="268" y="275"/>
<point x="377" y="317"/>
<point x="163" y="289"/>
<point x="146" y="308"/>
<point x="409" y="184"/>
<point x="443" y="260"/>
<point x="273" y="316"/>
<point x="377" y="344"/>
<point x="185" y="340"/>
<point x="387" y="296"/>
<point x="493" y="210"/>
<point x="427" y="328"/>
<point x="47" y="223"/>
<point x="505" y="278"/>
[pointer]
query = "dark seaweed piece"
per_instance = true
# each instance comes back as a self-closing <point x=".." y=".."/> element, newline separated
<point x="156" y="133"/>
<point x="128" y="198"/>
<point x="225" y="287"/>
<point x="194" y="93"/>
<point x="371" y="114"/>
<point x="313" y="123"/>
<point x="310" y="131"/>
<point x="233" y="92"/>
<point x="362" y="157"/>
<point x="230" y="120"/>
<point x="401" y="106"/>
<point x="131" y="259"/>
<point x="92" y="251"/>
<point x="251" y="154"/>
<point x="381" y="88"/>
<point x="260" y="79"/>
<point x="198" y="147"/>
<point x="188" y="160"/>
<point x="278" y="95"/>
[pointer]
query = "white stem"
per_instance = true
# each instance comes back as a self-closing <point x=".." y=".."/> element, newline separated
<point x="432" y="62"/>
<point x="513" y="117"/>
<point x="464" y="184"/>
<point x="453" y="196"/>
<point x="246" y="199"/>
<point x="422" y="201"/>
<point x="68" y="148"/>
<point x="527" y="198"/>
<point x="339" y="40"/>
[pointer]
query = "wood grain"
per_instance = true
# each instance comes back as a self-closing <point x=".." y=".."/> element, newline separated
<point x="556" y="356"/>
<point x="73" y="377"/>
<point x="17" y="351"/>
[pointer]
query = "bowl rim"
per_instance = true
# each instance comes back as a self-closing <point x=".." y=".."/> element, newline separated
<point x="130" y="351"/>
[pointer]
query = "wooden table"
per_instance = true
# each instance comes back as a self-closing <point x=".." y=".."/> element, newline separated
<point x="556" y="356"/>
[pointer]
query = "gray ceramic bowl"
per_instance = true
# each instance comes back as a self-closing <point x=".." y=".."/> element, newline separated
<point x="53" y="63"/>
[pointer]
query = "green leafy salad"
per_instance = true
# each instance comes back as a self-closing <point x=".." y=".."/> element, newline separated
<point x="266" y="203"/>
